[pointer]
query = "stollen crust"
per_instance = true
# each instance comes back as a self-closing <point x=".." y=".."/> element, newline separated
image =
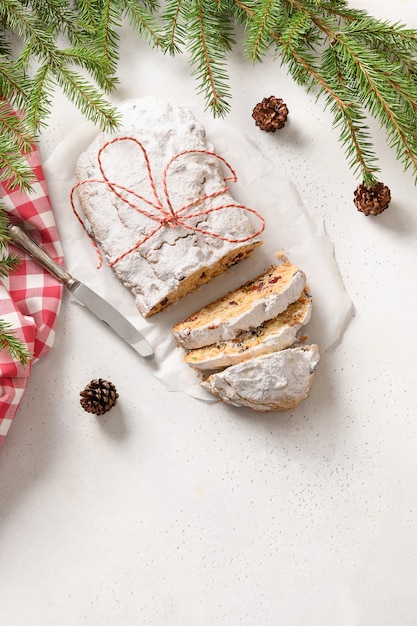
<point x="246" y="307"/>
<point x="273" y="382"/>
<point x="276" y="334"/>
<point x="175" y="259"/>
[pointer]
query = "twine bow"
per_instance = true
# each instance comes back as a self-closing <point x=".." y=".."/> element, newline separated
<point x="165" y="215"/>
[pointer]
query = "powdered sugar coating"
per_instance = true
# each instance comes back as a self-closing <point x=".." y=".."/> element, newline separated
<point x="254" y="314"/>
<point x="273" y="382"/>
<point x="175" y="258"/>
<point x="275" y="335"/>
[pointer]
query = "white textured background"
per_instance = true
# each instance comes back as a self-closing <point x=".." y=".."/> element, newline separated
<point x="170" y="512"/>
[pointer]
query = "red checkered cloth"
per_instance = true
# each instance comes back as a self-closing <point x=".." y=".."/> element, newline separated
<point x="30" y="298"/>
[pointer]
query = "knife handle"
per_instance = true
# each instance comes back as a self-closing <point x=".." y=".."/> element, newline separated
<point x="20" y="237"/>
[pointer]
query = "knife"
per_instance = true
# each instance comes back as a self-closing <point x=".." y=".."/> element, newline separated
<point x="86" y="296"/>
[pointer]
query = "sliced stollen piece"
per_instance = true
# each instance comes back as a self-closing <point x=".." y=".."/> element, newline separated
<point x="248" y="306"/>
<point x="155" y="199"/>
<point x="276" y="334"/>
<point x="272" y="382"/>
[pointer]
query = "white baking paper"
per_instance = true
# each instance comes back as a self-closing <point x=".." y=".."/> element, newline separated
<point x="289" y="228"/>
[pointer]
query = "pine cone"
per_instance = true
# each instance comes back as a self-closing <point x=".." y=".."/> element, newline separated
<point x="372" y="200"/>
<point x="270" y="114"/>
<point x="99" y="396"/>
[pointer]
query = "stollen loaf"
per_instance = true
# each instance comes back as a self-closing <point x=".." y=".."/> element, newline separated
<point x="250" y="305"/>
<point x="154" y="198"/>
<point x="276" y="334"/>
<point x="273" y="382"/>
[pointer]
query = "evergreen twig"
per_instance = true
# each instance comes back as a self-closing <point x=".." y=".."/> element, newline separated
<point x="9" y="263"/>
<point x="358" y="65"/>
<point x="16" y="348"/>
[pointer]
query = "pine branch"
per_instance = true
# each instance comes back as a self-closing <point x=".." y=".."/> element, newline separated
<point x="264" y="20"/>
<point x="40" y="100"/>
<point x="174" y="27"/>
<point x="387" y="94"/>
<point x="143" y="21"/>
<point x="14" y="85"/>
<point x="14" y="168"/>
<point x="40" y="25"/>
<point x="14" y="128"/>
<point x="357" y="65"/>
<point x="365" y="67"/>
<point x="60" y="17"/>
<point x="9" y="263"/>
<point x="89" y="12"/>
<point x="107" y="34"/>
<point x="94" y="62"/>
<point x="16" y="348"/>
<point x="19" y="18"/>
<point x="349" y="118"/>
<point x="86" y="98"/>
<point x="209" y="39"/>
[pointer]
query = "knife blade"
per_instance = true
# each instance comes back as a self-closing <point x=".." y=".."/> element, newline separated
<point x="91" y="300"/>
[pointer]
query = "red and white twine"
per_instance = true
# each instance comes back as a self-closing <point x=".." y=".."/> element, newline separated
<point x="165" y="217"/>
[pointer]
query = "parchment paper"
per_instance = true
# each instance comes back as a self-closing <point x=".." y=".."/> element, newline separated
<point x="289" y="228"/>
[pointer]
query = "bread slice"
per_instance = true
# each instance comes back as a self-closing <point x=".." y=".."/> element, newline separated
<point x="157" y="257"/>
<point x="276" y="334"/>
<point x="273" y="382"/>
<point x="249" y="306"/>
